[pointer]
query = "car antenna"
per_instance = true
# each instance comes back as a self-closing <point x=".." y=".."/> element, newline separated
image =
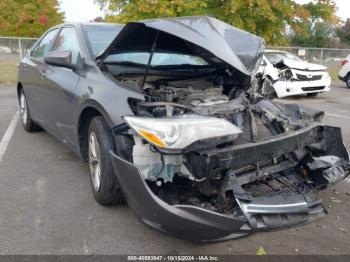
<point x="154" y="46"/>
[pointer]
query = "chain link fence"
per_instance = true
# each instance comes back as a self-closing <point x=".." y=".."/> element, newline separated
<point x="322" y="56"/>
<point x="14" y="49"/>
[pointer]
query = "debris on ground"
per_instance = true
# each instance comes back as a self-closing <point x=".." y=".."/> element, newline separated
<point x="260" y="251"/>
<point x="336" y="200"/>
<point x="343" y="229"/>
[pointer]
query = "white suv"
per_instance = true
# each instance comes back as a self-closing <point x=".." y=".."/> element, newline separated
<point x="344" y="73"/>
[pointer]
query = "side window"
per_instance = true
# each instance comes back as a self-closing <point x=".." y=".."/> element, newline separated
<point x="67" y="41"/>
<point x="43" y="47"/>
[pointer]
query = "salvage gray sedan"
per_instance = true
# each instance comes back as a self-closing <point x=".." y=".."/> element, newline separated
<point x="168" y="116"/>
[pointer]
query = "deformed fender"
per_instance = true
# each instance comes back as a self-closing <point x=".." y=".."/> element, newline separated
<point x="184" y="221"/>
<point x="93" y="104"/>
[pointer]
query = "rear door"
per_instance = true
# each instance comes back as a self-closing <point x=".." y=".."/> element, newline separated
<point x="61" y="84"/>
<point x="32" y="69"/>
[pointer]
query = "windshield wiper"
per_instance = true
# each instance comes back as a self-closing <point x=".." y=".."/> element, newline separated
<point x="126" y="63"/>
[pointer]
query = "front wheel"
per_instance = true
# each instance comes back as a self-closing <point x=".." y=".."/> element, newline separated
<point x="312" y="94"/>
<point x="104" y="183"/>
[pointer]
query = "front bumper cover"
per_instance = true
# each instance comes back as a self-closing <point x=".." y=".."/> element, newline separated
<point x="287" y="88"/>
<point x="198" y="224"/>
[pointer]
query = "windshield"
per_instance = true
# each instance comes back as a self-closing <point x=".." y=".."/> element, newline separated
<point x="101" y="36"/>
<point x="275" y="57"/>
<point x="158" y="59"/>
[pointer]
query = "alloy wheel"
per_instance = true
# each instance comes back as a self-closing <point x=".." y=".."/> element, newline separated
<point x="95" y="161"/>
<point x="23" y="108"/>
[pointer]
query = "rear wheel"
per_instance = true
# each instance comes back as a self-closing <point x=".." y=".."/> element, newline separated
<point x="347" y="80"/>
<point x="27" y="121"/>
<point x="312" y="94"/>
<point x="104" y="183"/>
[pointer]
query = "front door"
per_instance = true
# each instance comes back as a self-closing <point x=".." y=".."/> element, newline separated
<point x="62" y="83"/>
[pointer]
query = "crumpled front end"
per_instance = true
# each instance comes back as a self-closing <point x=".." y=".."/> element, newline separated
<point x="219" y="190"/>
<point x="303" y="82"/>
<point x="204" y="156"/>
<point x="290" y="78"/>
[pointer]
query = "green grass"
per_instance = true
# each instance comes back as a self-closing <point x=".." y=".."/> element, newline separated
<point x="333" y="71"/>
<point x="8" y="71"/>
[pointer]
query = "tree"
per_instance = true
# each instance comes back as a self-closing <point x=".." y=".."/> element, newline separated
<point x="344" y="32"/>
<point x="319" y="34"/>
<point x="28" y="18"/>
<point x="140" y="9"/>
<point x="266" y="18"/>
<point x="98" y="19"/>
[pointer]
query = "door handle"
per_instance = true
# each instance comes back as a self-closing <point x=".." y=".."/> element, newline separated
<point x="24" y="66"/>
<point x="43" y="74"/>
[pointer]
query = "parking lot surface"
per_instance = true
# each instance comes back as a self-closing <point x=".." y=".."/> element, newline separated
<point x="46" y="204"/>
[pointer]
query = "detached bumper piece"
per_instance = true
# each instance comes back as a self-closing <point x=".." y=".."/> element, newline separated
<point x="278" y="209"/>
<point x="294" y="210"/>
<point x="279" y="192"/>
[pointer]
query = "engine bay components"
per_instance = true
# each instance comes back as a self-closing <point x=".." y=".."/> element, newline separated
<point x="154" y="166"/>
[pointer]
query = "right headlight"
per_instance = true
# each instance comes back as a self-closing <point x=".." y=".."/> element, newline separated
<point x="181" y="131"/>
<point x="287" y="74"/>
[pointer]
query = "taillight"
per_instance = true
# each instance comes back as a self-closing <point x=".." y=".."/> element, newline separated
<point x="343" y="62"/>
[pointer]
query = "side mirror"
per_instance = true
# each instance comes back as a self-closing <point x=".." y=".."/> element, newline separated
<point x="61" y="59"/>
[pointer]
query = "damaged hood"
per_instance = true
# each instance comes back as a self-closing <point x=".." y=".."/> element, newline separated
<point x="222" y="42"/>
<point x="303" y="65"/>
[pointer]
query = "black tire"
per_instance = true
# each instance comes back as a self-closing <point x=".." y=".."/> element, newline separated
<point x="347" y="80"/>
<point x="27" y="121"/>
<point x="312" y="94"/>
<point x="106" y="190"/>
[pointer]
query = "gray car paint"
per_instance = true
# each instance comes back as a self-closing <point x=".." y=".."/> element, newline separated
<point x="57" y="100"/>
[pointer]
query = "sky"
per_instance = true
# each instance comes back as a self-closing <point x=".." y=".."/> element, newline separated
<point x="86" y="10"/>
<point x="80" y="10"/>
<point x="343" y="7"/>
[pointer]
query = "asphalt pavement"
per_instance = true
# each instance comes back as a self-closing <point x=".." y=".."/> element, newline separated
<point x="46" y="204"/>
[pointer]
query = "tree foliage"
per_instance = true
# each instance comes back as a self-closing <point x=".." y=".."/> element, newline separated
<point x="267" y="18"/>
<point x="344" y="32"/>
<point x="140" y="9"/>
<point x="28" y="18"/>
<point x="319" y="34"/>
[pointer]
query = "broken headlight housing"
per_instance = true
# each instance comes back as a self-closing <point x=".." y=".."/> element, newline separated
<point x="180" y="131"/>
<point x="286" y="74"/>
